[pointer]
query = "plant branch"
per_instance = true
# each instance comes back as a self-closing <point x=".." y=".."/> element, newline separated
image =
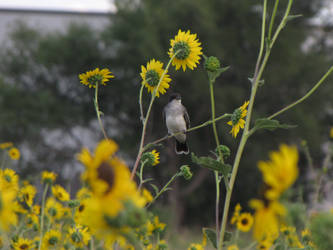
<point x="98" y="112"/>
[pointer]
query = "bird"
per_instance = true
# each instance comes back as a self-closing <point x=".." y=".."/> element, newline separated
<point x="177" y="121"/>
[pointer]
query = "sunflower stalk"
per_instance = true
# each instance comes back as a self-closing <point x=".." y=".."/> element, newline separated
<point x="42" y="215"/>
<point x="98" y="112"/>
<point x="146" y="118"/>
<point x="141" y="173"/>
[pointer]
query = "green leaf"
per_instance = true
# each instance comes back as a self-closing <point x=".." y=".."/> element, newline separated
<point x="155" y="188"/>
<point x="213" y="75"/>
<point x="210" y="163"/>
<point x="268" y="124"/>
<point x="292" y="17"/>
<point x="147" y="180"/>
<point x="211" y="235"/>
<point x="227" y="236"/>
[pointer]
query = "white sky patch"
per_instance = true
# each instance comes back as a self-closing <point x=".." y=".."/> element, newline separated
<point x="61" y="5"/>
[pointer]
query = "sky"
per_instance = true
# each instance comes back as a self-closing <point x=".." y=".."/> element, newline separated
<point x="67" y="5"/>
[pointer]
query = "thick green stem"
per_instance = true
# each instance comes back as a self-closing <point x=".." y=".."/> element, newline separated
<point x="146" y="118"/>
<point x="305" y="96"/>
<point x="164" y="188"/>
<point x="42" y="216"/>
<point x="98" y="112"/>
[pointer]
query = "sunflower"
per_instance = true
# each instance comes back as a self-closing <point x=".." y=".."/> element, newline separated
<point x="266" y="219"/>
<point x="96" y="76"/>
<point x="54" y="209"/>
<point x="109" y="180"/>
<point x="14" y="153"/>
<point x="244" y="222"/>
<point x="5" y="145"/>
<point x="23" y="244"/>
<point x="187" y="49"/>
<point x="151" y="77"/>
<point x="79" y="236"/>
<point x="27" y="194"/>
<point x="48" y="177"/>
<point x="280" y="172"/>
<point x="264" y="245"/>
<point x="237" y="120"/>
<point x="195" y="246"/>
<point x="60" y="193"/>
<point x="8" y="179"/>
<point x="151" y="158"/>
<point x="236" y="213"/>
<point x="51" y="239"/>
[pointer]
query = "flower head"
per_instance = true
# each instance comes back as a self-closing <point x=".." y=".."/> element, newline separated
<point x="8" y="206"/>
<point x="27" y="194"/>
<point x="79" y="236"/>
<point x="60" y="193"/>
<point x="152" y="158"/>
<point x="96" y="76"/>
<point x="151" y="77"/>
<point x="244" y="222"/>
<point x="8" y="179"/>
<point x="187" y="48"/>
<point x="54" y="209"/>
<point x="14" y="153"/>
<point x="23" y="244"/>
<point x="48" y="177"/>
<point x="236" y="213"/>
<point x="237" y="120"/>
<point x="212" y="64"/>
<point x="280" y="172"/>
<point x="51" y="239"/>
<point x="232" y="247"/>
<point x="195" y="246"/>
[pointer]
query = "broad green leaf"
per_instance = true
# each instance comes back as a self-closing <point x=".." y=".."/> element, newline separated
<point x="212" y="164"/>
<point x="211" y="235"/>
<point x="271" y="125"/>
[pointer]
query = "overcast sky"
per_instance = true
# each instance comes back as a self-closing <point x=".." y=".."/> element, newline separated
<point x="69" y="5"/>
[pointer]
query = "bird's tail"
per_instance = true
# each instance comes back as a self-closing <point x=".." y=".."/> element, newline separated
<point x="181" y="148"/>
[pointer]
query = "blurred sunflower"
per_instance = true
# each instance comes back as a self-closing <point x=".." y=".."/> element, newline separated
<point x="51" y="239"/>
<point x="187" y="48"/>
<point x="8" y="207"/>
<point x="8" y="179"/>
<point x="96" y="76"/>
<point x="54" y="210"/>
<point x="14" y="153"/>
<point x="79" y="236"/>
<point x="60" y="193"/>
<point x="48" y="177"/>
<point x="27" y="194"/>
<point x="244" y="222"/>
<point x="237" y="122"/>
<point x="151" y="76"/>
<point x="23" y="243"/>
<point x="280" y="172"/>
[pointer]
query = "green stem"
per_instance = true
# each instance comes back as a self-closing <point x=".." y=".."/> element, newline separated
<point x="190" y="129"/>
<point x="141" y="174"/>
<point x="42" y="216"/>
<point x="273" y="18"/>
<point x="140" y="104"/>
<point x="164" y="188"/>
<point x="308" y="94"/>
<point x="143" y="134"/>
<point x="98" y="112"/>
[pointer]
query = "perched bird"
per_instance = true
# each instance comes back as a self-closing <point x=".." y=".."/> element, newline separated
<point x="177" y="121"/>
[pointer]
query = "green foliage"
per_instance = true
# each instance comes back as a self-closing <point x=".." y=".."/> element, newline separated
<point x="322" y="230"/>
<point x="210" y="163"/>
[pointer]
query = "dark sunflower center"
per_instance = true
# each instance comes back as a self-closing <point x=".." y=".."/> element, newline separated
<point x="183" y="48"/>
<point x="236" y="115"/>
<point x="105" y="173"/>
<point x="24" y="246"/>
<point x="76" y="237"/>
<point x="81" y="208"/>
<point x="152" y="78"/>
<point x="8" y="178"/>
<point x="53" y="211"/>
<point x="244" y="221"/>
<point x="53" y="240"/>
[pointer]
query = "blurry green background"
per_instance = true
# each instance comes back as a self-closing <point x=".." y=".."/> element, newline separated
<point x="50" y="116"/>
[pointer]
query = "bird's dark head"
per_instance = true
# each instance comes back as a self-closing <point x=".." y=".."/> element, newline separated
<point x="174" y="96"/>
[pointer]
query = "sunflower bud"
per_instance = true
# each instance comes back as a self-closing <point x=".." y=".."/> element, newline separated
<point x="212" y="64"/>
<point x="186" y="172"/>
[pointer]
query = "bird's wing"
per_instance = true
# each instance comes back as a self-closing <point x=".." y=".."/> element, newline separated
<point x="187" y="118"/>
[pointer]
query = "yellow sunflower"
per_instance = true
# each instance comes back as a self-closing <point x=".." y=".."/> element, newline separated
<point x="23" y="244"/>
<point x="110" y="183"/>
<point x="237" y="122"/>
<point x="54" y="209"/>
<point x="280" y="172"/>
<point x="51" y="239"/>
<point x="27" y="194"/>
<point x="96" y="76"/>
<point x="8" y="207"/>
<point x="79" y="236"/>
<point x="5" y="145"/>
<point x="188" y="50"/>
<point x="266" y="219"/>
<point x="14" y="153"/>
<point x="236" y="213"/>
<point x="8" y="179"/>
<point x="48" y="177"/>
<point x="151" y="77"/>
<point x="195" y="246"/>
<point x="60" y="193"/>
<point x="244" y="222"/>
